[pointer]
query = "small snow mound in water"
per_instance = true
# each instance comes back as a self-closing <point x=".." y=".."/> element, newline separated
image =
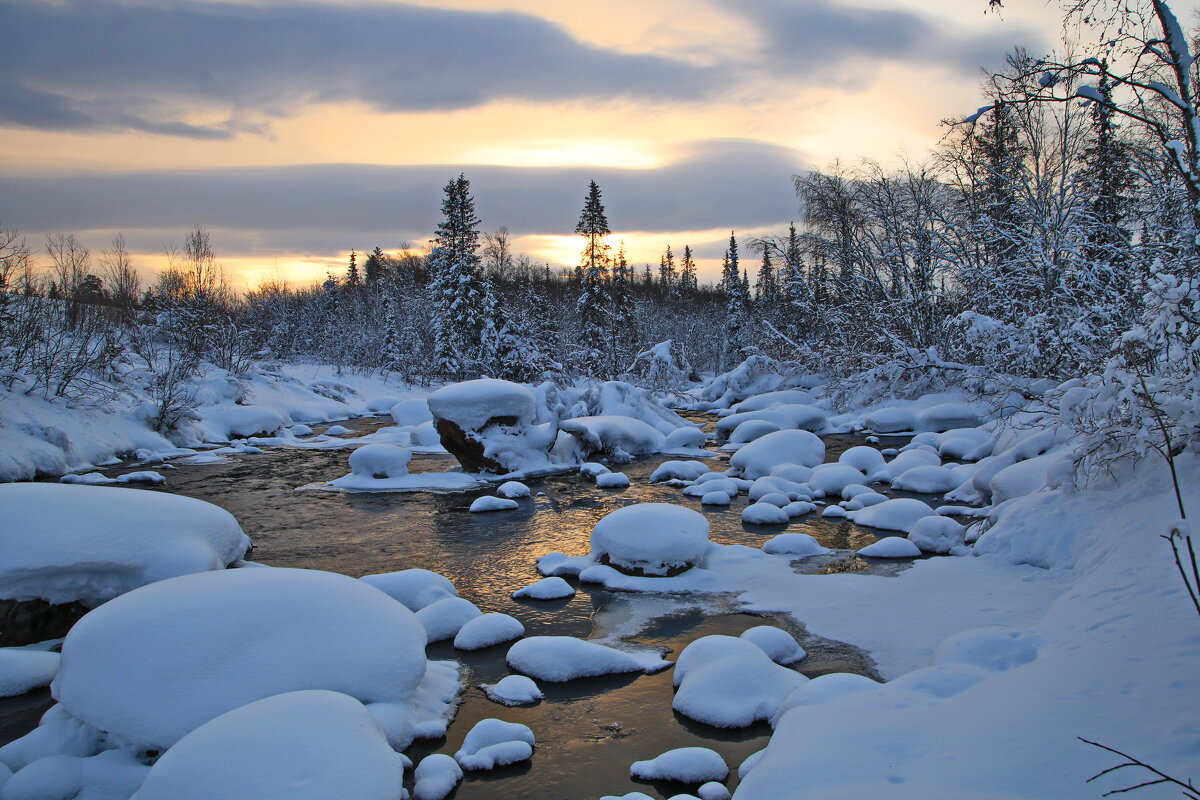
<point x="927" y="479"/>
<point x="488" y="503"/>
<point x="946" y="416"/>
<point x="592" y="469"/>
<point x="713" y="791"/>
<point x="862" y="458"/>
<point x="415" y="588"/>
<point x="764" y="513"/>
<point x="380" y="461"/>
<point x="513" y="690"/>
<point x="701" y="488"/>
<point x="546" y="589"/>
<point x="781" y="447"/>
<point x="891" y="547"/>
<point x="512" y="490"/>
<point x="471" y="404"/>
<point x="493" y="743"/>
<point x="938" y="534"/>
<point x="683" y="764"/>
<point x="436" y="777"/>
<point x="682" y="470"/>
<point x="891" y="420"/>
<point x="336" y="430"/>
<point x="90" y="544"/>
<point x="23" y="670"/>
<point x="834" y="511"/>
<point x="688" y="438"/>
<point x="652" y="537"/>
<point x="715" y="499"/>
<point x="799" y="508"/>
<point x="612" y="480"/>
<point x="833" y="478"/>
<point x="777" y="643"/>
<point x="752" y="429"/>
<point x="776" y="499"/>
<point x="897" y="514"/>
<point x="488" y="630"/>
<point x="304" y="745"/>
<point x="709" y="666"/>
<point x="410" y="413"/>
<point x="444" y="618"/>
<point x="564" y="658"/>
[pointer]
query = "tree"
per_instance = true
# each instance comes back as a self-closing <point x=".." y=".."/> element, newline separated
<point x="623" y="320"/>
<point x="667" y="280"/>
<point x="687" y="273"/>
<point x="737" y="302"/>
<point x="461" y="293"/>
<point x="375" y="267"/>
<point x="353" y="278"/>
<point x="594" y="265"/>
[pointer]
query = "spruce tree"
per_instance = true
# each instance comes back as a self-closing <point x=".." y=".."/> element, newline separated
<point x="353" y="280"/>
<point x="461" y="293"/>
<point x="766" y="289"/>
<point x="667" y="281"/>
<point x="623" y="320"/>
<point x="374" y="267"/>
<point x="687" y="273"/>
<point x="734" y="284"/>
<point x="593" y="267"/>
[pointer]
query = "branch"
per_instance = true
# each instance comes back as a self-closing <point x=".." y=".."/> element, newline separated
<point x="1189" y="790"/>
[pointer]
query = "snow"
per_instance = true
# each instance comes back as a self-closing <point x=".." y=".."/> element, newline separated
<point x="833" y="478"/>
<point x="799" y="508"/>
<point x="90" y="544"/>
<point x="156" y="663"/>
<point x="794" y="544"/>
<point x="823" y="689"/>
<point x="683" y="764"/>
<point x="945" y="416"/>
<point x="927" y="479"/>
<point x="100" y="479"/>
<point x="336" y="430"/>
<point x="1022" y="478"/>
<point x="717" y="484"/>
<point x="681" y="470"/>
<point x="777" y="643"/>
<point x="785" y="417"/>
<point x="709" y="666"/>
<point x="794" y="473"/>
<point x="771" y="399"/>
<point x="415" y="588"/>
<point x="863" y="458"/>
<point x="897" y="514"/>
<point x="713" y="791"/>
<point x="612" y="434"/>
<point x="938" y="534"/>
<point x="512" y="490"/>
<point x="891" y="547"/>
<point x="471" y="404"/>
<point x="715" y="499"/>
<point x="225" y="422"/>
<point x="557" y="659"/>
<point x="593" y="469"/>
<point x="380" y="461"/>
<point x="303" y="745"/>
<point x="769" y="484"/>
<point x="685" y="439"/>
<point x="891" y="420"/>
<point x="488" y="630"/>
<point x="546" y="589"/>
<point x="513" y="690"/>
<point x="654" y="538"/>
<point x="612" y="480"/>
<point x="775" y="498"/>
<point x="436" y="775"/>
<point x="752" y="429"/>
<point x="411" y="412"/>
<point x="22" y="670"/>
<point x="493" y="743"/>
<point x="782" y="447"/>
<point x="111" y="775"/>
<point x="443" y="618"/>
<point x="764" y="513"/>
<point x="963" y="442"/>
<point x="413" y="482"/>
<point x="835" y="512"/>
<point x="487" y="503"/>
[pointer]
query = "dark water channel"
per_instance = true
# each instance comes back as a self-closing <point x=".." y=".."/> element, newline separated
<point x="589" y="731"/>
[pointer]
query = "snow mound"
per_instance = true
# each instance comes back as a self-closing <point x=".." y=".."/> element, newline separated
<point x="938" y="534"/>
<point x="593" y="469"/>
<point x="927" y="479"/>
<point x="683" y="764"/>
<point x="488" y="503"/>
<point x="512" y="490"/>
<point x="906" y="461"/>
<point x="493" y="743"/>
<point x="436" y="777"/>
<point x="224" y="422"/>
<point x="442" y="619"/>
<point x="337" y="430"/>
<point x="752" y="429"/>
<point x="770" y="483"/>
<point x="718" y="484"/>
<point x="775" y="498"/>
<point x="303" y="745"/>
<point x="709" y="666"/>
<point x="799" y="508"/>
<point x="897" y="514"/>
<point x="891" y="420"/>
<point x="793" y="473"/>
<point x="156" y="663"/>
<point x="777" y="643"/>
<point x="654" y="538"/>
<point x="610" y="434"/>
<point x="380" y="461"/>
<point x="488" y="630"/>
<point x="963" y="442"/>
<point x="945" y="416"/>
<point x="564" y="658"/>
<point x="715" y="499"/>
<point x="415" y="588"/>
<point x="513" y="690"/>
<point x="824" y="688"/>
<point x="681" y="470"/>
<point x="834" y="512"/>
<point x="764" y="513"/>
<point x="411" y="413"/>
<point x="89" y="544"/>
<point x="713" y="791"/>
<point x="782" y="447"/>
<point x="863" y="458"/>
<point x="471" y="404"/>
<point x="994" y="649"/>
<point x="891" y="547"/>
<point x="612" y="480"/>
<point x="833" y="478"/>
<point x="771" y="399"/>
<point x="546" y="589"/>
<point x="23" y="670"/>
<point x="688" y="438"/>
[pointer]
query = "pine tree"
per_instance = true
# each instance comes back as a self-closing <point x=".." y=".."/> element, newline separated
<point x="592" y="305"/>
<point x="353" y="279"/>
<point x="374" y="267"/>
<point x="766" y="289"/>
<point x="735" y="286"/>
<point x="667" y="281"/>
<point x="462" y="295"/>
<point x="796" y="291"/>
<point x="687" y="273"/>
<point x="623" y="320"/>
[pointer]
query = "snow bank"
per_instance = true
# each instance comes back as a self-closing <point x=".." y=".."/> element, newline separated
<point x="654" y="538"/>
<point x="782" y="447"/>
<point x="891" y="420"/>
<point x="683" y="764"/>
<point x="938" y="534"/>
<point x="771" y="399"/>
<point x="304" y="745"/>
<point x="709" y="666"/>
<point x="152" y="665"/>
<point x="944" y="416"/>
<point x="557" y="659"/>
<point x="89" y="544"/>
<point x="471" y="404"/>
<point x="493" y="743"/>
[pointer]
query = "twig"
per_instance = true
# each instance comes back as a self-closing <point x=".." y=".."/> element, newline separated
<point x="1189" y="790"/>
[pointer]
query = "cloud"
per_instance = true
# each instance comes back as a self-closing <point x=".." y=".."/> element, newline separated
<point x="816" y="39"/>
<point x="713" y="184"/>
<point x="108" y="64"/>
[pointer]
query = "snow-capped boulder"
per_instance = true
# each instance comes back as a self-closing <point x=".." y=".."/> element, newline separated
<point x="683" y="764"/>
<point x="303" y="745"/>
<point x="487" y="503"/>
<point x="444" y="618"/>
<point x="494" y="743"/>
<point x="473" y="405"/>
<point x="552" y="588"/>
<point x="709" y="666"/>
<point x="793" y="473"/>
<point x="612" y="480"/>
<point x="771" y="399"/>
<point x="833" y="478"/>
<point x="786" y="417"/>
<point x="775" y="498"/>
<point x="488" y="630"/>
<point x="487" y="425"/>
<point x="512" y="490"/>
<point x="415" y="588"/>
<point x="380" y="461"/>
<point x="678" y="470"/>
<point x="154" y="664"/>
<point x="436" y="776"/>
<point x="718" y="484"/>
<point x="794" y="544"/>
<point x="610" y="434"/>
<point x="22" y="670"/>
<point x="927" y="479"/>
<point x="227" y="421"/>
<point x="687" y="438"/>
<point x="799" y="508"/>
<point x="891" y="420"/>
<point x="513" y="690"/>
<point x="823" y="689"/>
<point x="777" y="643"/>
<point x="769" y="484"/>
<point x="897" y="514"/>
<point x="938" y="534"/>
<point x="564" y="658"/>
<point x="781" y="447"/>
<point x="411" y="412"/>
<point x="960" y="443"/>
<point x="945" y="416"/>
<point x="891" y="547"/>
<point x="863" y="458"/>
<point x="715" y="499"/>
<point x="764" y="513"/>
<point x="651" y="538"/>
<point x="752" y="429"/>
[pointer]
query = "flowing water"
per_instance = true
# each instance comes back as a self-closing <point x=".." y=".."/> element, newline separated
<point x="589" y="731"/>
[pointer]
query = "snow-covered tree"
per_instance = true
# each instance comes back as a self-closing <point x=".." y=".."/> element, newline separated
<point x="737" y="306"/>
<point x="461" y="292"/>
<point x="592" y="306"/>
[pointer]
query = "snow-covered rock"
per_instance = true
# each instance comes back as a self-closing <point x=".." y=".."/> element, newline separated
<point x="793" y="473"/>
<point x="777" y="643"/>
<point x="833" y="478"/>
<point x="891" y="420"/>
<point x="488" y="503"/>
<point x="473" y="404"/>
<point x="564" y="658"/>
<point x="593" y="469"/>
<point x="764" y="513"/>
<point x="715" y="499"/>
<point x="799" y="508"/>
<point x="717" y="484"/>
<point x="771" y="399"/>
<point x="891" y="547"/>
<point x="683" y="764"/>
<point x="411" y="412"/>
<point x="488" y="630"/>
<point x="152" y="665"/>
<point x="90" y="544"/>
<point x="927" y="479"/>
<point x="687" y="438"/>
<point x="709" y="666"/>
<point x="823" y="689"/>
<point x="494" y="743"/>
<point x="752" y="429"/>
<point x="512" y="490"/>
<point x="436" y="776"/>
<point x="380" y="461"/>
<point x="612" y="434"/>
<point x="897" y="514"/>
<point x="224" y="422"/>
<point x="864" y="459"/>
<point x="302" y="745"/>
<point x="415" y="588"/>
<point x="944" y="416"/>
<point x="654" y="538"/>
<point x="337" y="430"/>
<point x="775" y="498"/>
<point x="552" y="588"/>
<point x="513" y="690"/>
<point x="938" y="534"/>
<point x="768" y="484"/>
<point x="678" y="470"/>
<point x="442" y="619"/>
<point x="782" y="447"/>
<point x="612" y="480"/>
<point x="22" y="670"/>
<point x="962" y="442"/>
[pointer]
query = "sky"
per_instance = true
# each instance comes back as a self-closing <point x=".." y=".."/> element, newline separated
<point x="295" y="130"/>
